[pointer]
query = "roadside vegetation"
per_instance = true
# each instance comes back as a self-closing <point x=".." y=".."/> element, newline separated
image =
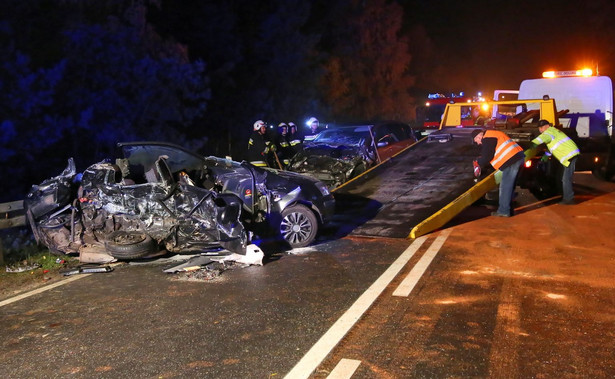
<point x="24" y="265"/>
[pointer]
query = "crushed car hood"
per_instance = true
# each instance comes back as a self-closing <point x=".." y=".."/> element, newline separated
<point x="331" y="164"/>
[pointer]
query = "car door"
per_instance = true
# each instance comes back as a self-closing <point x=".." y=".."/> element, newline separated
<point x="392" y="138"/>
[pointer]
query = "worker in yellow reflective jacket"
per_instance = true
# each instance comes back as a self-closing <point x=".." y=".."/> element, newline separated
<point x="503" y="154"/>
<point x="564" y="150"/>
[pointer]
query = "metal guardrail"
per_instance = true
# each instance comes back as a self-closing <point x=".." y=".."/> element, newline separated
<point x="12" y="214"/>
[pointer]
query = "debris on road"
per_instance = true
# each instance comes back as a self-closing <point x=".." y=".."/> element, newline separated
<point x="194" y="263"/>
<point x="86" y="270"/>
<point x="22" y="268"/>
<point x="253" y="257"/>
<point x="203" y="267"/>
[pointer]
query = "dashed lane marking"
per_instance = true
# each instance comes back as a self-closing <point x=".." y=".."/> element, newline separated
<point x="42" y="289"/>
<point x="331" y="338"/>
<point x="344" y="369"/>
<point x="407" y="285"/>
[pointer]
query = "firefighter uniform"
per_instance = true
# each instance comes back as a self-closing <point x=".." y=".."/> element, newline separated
<point x="283" y="143"/>
<point x="564" y="150"/>
<point x="294" y="139"/>
<point x="505" y="155"/>
<point x="259" y="145"/>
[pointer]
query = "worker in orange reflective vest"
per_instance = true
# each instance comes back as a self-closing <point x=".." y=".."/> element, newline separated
<point x="503" y="154"/>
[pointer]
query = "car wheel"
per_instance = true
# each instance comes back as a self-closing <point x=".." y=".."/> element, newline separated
<point x="603" y="173"/>
<point x="298" y="226"/>
<point x="129" y="244"/>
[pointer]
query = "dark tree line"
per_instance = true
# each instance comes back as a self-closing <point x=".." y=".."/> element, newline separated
<point x="79" y="75"/>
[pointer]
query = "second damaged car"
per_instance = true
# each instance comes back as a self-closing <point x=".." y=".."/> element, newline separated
<point x="339" y="154"/>
<point x="157" y="195"/>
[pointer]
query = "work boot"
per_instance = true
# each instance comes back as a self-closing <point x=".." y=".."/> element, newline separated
<point x="497" y="214"/>
<point x="568" y="202"/>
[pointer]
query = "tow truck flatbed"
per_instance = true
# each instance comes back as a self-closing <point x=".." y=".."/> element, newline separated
<point x="413" y="185"/>
<point x="424" y="186"/>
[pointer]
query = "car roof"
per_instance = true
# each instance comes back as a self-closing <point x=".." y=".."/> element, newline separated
<point x="355" y="128"/>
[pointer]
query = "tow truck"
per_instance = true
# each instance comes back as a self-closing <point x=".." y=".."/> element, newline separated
<point x="429" y="116"/>
<point x="424" y="186"/>
<point x="586" y="101"/>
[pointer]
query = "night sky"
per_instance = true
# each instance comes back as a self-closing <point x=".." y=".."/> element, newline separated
<point x="484" y="45"/>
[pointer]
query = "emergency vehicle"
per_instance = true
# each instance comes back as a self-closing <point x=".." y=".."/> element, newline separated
<point x="586" y="103"/>
<point x="584" y="110"/>
<point x="429" y="116"/>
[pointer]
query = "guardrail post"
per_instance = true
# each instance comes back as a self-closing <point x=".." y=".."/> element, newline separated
<point x="12" y="214"/>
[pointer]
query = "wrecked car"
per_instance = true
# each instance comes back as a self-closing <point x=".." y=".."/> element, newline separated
<point x="159" y="195"/>
<point x="339" y="154"/>
<point x="132" y="219"/>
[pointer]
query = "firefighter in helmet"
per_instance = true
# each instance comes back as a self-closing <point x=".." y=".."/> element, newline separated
<point x="259" y="145"/>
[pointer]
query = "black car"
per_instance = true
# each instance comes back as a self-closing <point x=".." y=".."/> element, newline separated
<point x="341" y="153"/>
<point x="156" y="194"/>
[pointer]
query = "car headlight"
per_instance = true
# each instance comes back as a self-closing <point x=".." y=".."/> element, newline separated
<point x="322" y="187"/>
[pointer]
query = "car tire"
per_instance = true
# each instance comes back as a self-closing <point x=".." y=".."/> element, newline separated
<point x="129" y="244"/>
<point x="298" y="226"/>
<point x="603" y="173"/>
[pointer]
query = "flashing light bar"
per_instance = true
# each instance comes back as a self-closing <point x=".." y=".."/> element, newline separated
<point x="557" y="74"/>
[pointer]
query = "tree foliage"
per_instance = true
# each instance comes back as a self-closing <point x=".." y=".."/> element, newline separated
<point x="367" y="75"/>
<point x="116" y="80"/>
<point x="80" y="75"/>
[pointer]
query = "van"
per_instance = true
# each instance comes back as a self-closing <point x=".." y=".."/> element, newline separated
<point x="586" y="106"/>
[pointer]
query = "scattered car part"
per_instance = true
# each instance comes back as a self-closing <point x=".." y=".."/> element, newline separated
<point x="86" y="270"/>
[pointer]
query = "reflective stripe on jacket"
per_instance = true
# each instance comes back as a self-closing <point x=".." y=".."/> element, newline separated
<point x="559" y="144"/>
<point x="505" y="148"/>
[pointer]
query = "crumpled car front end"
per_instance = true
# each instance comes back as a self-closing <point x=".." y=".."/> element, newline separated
<point x="332" y="165"/>
<point x="176" y="216"/>
<point x="49" y="208"/>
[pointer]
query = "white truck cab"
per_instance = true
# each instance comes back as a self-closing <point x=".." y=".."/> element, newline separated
<point x="588" y="99"/>
<point x="585" y="105"/>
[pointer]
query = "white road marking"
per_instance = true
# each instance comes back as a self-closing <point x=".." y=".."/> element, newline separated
<point x="344" y="369"/>
<point x="407" y="285"/>
<point x="331" y="338"/>
<point x="42" y="289"/>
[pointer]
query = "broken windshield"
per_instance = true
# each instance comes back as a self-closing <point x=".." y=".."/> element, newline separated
<point x="343" y="136"/>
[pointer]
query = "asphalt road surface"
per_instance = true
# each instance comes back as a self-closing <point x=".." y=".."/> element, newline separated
<point x="528" y="296"/>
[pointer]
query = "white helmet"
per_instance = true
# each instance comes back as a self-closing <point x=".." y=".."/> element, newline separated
<point x="258" y="124"/>
<point x="282" y="124"/>
<point x="311" y="121"/>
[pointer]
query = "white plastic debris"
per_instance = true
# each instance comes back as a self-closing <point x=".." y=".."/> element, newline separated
<point x="254" y="256"/>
